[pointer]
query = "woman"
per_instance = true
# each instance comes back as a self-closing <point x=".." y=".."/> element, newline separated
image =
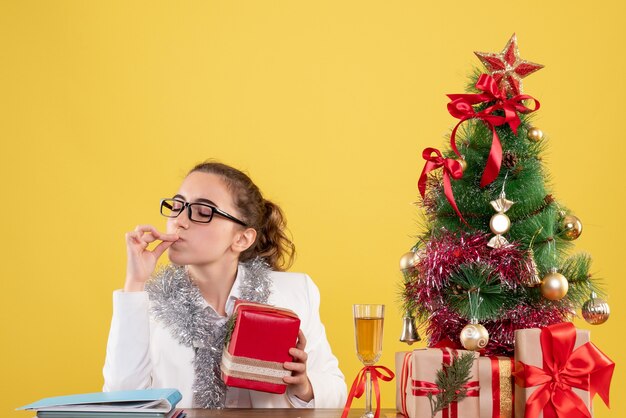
<point x="224" y="242"/>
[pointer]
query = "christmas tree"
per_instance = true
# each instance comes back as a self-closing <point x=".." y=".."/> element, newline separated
<point x="494" y="254"/>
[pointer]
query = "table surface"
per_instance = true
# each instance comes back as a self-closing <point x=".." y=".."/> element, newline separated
<point x="283" y="413"/>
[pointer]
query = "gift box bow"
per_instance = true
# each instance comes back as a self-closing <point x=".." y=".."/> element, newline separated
<point x="586" y="368"/>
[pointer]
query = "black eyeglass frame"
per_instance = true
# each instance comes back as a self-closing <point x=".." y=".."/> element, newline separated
<point x="188" y="205"/>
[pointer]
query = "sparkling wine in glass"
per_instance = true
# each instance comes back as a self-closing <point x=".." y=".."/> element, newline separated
<point x="368" y="332"/>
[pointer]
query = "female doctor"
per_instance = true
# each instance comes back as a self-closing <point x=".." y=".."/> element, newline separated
<point x="225" y="242"/>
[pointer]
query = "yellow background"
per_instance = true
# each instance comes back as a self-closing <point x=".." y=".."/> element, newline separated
<point x="327" y="104"/>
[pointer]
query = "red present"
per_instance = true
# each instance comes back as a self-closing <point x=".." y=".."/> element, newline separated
<point x="416" y="380"/>
<point x="258" y="347"/>
<point x="558" y="371"/>
<point x="496" y="386"/>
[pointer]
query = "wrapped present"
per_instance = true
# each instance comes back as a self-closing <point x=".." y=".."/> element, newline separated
<point x="558" y="371"/>
<point x="418" y="374"/>
<point x="403" y="375"/>
<point x="496" y="386"/>
<point x="258" y="347"/>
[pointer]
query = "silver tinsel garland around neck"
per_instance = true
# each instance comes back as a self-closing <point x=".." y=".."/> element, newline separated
<point x="176" y="302"/>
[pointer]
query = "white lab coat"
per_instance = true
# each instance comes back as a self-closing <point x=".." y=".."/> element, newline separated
<point x="142" y="353"/>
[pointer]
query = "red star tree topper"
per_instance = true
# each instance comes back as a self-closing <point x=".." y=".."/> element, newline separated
<point x="507" y="68"/>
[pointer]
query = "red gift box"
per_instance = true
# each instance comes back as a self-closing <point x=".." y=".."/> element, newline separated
<point x="258" y="347"/>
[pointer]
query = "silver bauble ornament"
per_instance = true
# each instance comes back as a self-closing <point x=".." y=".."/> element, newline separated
<point x="596" y="310"/>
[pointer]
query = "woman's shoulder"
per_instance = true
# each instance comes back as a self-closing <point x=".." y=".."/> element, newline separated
<point x="291" y="287"/>
<point x="289" y="277"/>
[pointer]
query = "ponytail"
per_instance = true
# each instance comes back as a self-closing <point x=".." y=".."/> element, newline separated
<point x="272" y="242"/>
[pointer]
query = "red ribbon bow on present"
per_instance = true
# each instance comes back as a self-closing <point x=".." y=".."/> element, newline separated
<point x="358" y="387"/>
<point x="451" y="168"/>
<point x="461" y="107"/>
<point x="586" y="368"/>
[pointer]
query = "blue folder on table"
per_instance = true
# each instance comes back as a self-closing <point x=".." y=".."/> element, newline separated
<point x="131" y="403"/>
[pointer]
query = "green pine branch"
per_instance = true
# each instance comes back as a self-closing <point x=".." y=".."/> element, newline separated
<point x="451" y="381"/>
<point x="230" y="327"/>
<point x="483" y="282"/>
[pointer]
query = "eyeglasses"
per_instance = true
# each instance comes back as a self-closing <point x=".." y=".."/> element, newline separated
<point x="197" y="212"/>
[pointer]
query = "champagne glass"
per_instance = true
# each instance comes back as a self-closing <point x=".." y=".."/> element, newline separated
<point x="368" y="332"/>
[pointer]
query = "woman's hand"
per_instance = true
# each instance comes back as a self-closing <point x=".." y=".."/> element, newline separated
<point x="299" y="383"/>
<point x="140" y="261"/>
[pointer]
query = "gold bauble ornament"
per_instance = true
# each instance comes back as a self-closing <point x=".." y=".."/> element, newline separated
<point x="463" y="163"/>
<point x="571" y="227"/>
<point x="596" y="310"/>
<point x="406" y="261"/>
<point x="418" y="256"/>
<point x="534" y="134"/>
<point x="499" y="224"/>
<point x="554" y="286"/>
<point x="474" y="337"/>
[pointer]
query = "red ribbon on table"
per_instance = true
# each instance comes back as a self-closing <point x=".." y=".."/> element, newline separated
<point x="564" y="368"/>
<point x="451" y="168"/>
<point x="358" y="387"/>
<point x="423" y="388"/>
<point x="461" y="107"/>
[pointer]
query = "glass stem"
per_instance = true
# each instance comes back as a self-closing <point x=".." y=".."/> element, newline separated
<point x="368" y="393"/>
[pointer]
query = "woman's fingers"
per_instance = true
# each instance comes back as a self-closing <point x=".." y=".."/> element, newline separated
<point x="298" y="355"/>
<point x="146" y="234"/>
<point x="299" y="383"/>
<point x="145" y="228"/>
<point x="168" y="237"/>
<point x="295" y="379"/>
<point x="159" y="249"/>
<point x="149" y="234"/>
<point x="301" y="340"/>
<point x="299" y="368"/>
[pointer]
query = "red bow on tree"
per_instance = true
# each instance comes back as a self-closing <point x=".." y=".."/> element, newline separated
<point x="564" y="368"/>
<point x="461" y="107"/>
<point x="451" y="168"/>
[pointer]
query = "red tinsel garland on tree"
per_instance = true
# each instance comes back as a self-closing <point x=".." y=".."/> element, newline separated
<point x="430" y="279"/>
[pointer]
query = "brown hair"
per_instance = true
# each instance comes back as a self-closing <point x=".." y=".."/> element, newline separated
<point x="265" y="217"/>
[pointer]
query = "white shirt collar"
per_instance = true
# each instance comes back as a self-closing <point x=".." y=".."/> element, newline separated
<point x="235" y="293"/>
